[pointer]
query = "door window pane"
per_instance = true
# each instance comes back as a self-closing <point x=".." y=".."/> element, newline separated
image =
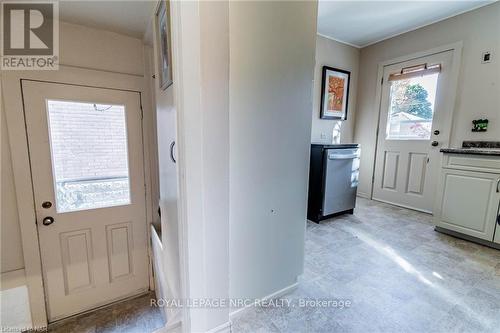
<point x="411" y="108"/>
<point x="89" y="155"/>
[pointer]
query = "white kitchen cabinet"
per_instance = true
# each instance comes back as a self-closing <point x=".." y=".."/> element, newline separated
<point x="467" y="200"/>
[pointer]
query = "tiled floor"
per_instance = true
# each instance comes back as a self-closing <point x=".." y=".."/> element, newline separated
<point x="132" y="316"/>
<point x="399" y="274"/>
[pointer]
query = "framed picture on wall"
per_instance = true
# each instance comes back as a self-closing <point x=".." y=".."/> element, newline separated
<point x="164" y="44"/>
<point x="334" y="93"/>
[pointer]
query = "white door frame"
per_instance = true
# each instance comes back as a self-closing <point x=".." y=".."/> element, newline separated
<point x="456" y="49"/>
<point x="13" y="102"/>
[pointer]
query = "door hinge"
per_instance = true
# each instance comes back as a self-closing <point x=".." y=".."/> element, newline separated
<point x="382" y="81"/>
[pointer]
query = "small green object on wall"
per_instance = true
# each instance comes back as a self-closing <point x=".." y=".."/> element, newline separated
<point x="480" y="125"/>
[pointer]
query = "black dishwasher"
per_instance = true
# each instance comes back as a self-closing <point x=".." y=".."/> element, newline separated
<point x="333" y="180"/>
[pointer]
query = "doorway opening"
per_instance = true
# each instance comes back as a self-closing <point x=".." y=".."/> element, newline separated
<point x="414" y="122"/>
<point x="86" y="157"/>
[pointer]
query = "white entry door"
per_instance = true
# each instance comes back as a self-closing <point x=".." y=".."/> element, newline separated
<point x="86" y="158"/>
<point x="415" y="122"/>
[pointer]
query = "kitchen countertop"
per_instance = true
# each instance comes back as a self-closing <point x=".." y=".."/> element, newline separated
<point x="472" y="151"/>
<point x="490" y="148"/>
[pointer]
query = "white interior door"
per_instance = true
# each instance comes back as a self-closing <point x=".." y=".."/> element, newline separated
<point x="86" y="158"/>
<point x="415" y="121"/>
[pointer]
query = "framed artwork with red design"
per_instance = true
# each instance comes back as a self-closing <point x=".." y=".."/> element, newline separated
<point x="334" y="93"/>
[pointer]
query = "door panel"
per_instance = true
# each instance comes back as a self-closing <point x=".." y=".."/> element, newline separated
<point x="119" y="243"/>
<point x="76" y="250"/>
<point x="86" y="158"/>
<point x="416" y="174"/>
<point x="391" y="164"/>
<point x="414" y="112"/>
<point x="168" y="182"/>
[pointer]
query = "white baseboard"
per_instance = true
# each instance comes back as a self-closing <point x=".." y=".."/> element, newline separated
<point x="403" y="206"/>
<point x="13" y="279"/>
<point x="363" y="195"/>
<point x="170" y="328"/>
<point x="177" y="328"/>
<point x="224" y="328"/>
<point x="238" y="312"/>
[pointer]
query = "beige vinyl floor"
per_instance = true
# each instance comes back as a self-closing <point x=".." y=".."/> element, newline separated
<point x="398" y="273"/>
<point x="131" y="316"/>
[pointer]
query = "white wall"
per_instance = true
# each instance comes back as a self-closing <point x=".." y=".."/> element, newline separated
<point x="214" y="46"/>
<point x="478" y="94"/>
<point x="342" y="56"/>
<point x="271" y="73"/>
<point x="98" y="49"/>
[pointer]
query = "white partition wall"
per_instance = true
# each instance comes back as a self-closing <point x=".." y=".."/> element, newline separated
<point x="243" y="97"/>
<point x="272" y="49"/>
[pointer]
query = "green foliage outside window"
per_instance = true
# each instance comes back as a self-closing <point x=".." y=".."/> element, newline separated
<point x="411" y="99"/>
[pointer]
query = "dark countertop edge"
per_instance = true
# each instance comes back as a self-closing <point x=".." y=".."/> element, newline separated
<point x="481" y="144"/>
<point x="470" y="151"/>
<point x="341" y="145"/>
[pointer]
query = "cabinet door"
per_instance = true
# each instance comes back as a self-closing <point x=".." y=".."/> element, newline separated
<point x="468" y="203"/>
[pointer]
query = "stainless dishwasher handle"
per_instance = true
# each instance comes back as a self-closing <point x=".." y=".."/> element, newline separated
<point x="341" y="157"/>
